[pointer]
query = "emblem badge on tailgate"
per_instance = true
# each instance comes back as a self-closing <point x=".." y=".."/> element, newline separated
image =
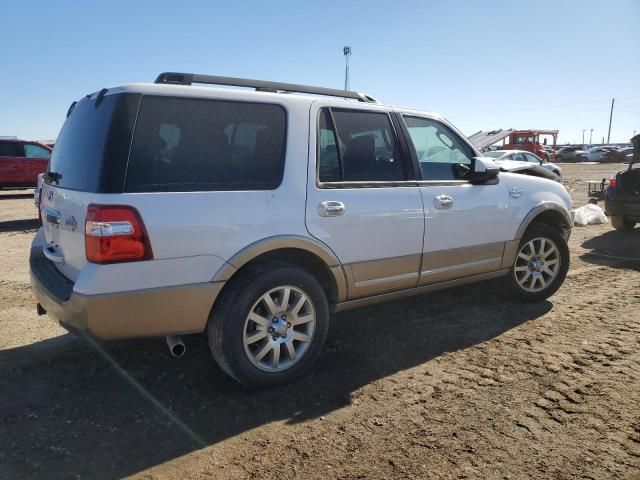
<point x="71" y="223"/>
<point x="50" y="195"/>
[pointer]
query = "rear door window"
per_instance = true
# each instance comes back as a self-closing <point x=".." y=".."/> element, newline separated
<point x="186" y="144"/>
<point x="359" y="147"/>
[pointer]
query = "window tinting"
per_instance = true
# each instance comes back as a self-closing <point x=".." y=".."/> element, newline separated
<point x="442" y="154"/>
<point x="11" y="149"/>
<point x="77" y="156"/>
<point x="366" y="147"/>
<point x="185" y="144"/>
<point x="36" y="151"/>
<point x="531" y="158"/>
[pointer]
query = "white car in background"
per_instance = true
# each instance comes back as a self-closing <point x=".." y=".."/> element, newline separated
<point x="512" y="159"/>
<point x="594" y="154"/>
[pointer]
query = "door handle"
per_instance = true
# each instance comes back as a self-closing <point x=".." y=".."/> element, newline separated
<point x="443" y="201"/>
<point x="331" y="208"/>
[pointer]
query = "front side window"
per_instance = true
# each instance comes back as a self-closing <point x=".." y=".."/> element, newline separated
<point x="187" y="144"/>
<point x="36" y="151"/>
<point x="442" y="154"/>
<point x="11" y="149"/>
<point x="360" y="147"/>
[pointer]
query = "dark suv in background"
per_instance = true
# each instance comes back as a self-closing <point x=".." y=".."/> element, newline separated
<point x="622" y="196"/>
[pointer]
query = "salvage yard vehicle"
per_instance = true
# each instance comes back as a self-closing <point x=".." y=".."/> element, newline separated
<point x="21" y="161"/>
<point x="513" y="160"/>
<point x="529" y="140"/>
<point x="622" y="196"/>
<point x="251" y="214"/>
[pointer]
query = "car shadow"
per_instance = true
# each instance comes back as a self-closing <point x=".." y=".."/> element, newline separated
<point x="19" y="225"/>
<point x="16" y="196"/>
<point x="73" y="407"/>
<point x="614" y="248"/>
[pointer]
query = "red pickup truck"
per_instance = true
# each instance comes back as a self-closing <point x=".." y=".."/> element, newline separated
<point x="21" y="162"/>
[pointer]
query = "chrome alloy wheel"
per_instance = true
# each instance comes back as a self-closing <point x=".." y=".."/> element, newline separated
<point x="537" y="264"/>
<point x="279" y="329"/>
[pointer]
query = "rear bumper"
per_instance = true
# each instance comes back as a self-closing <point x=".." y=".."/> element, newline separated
<point x="163" y="311"/>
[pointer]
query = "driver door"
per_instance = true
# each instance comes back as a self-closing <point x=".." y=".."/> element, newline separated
<point x="466" y="225"/>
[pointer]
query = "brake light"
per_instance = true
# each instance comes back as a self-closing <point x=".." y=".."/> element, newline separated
<point x="115" y="233"/>
<point x="613" y="182"/>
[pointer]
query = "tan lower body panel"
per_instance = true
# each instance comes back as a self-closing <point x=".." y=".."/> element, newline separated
<point x="456" y="263"/>
<point x="379" y="276"/>
<point x="156" y="312"/>
<point x="361" y="302"/>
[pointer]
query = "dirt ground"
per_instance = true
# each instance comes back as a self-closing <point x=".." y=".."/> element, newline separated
<point x="455" y="384"/>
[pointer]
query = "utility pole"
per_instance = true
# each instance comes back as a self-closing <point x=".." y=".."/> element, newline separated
<point x="347" y="53"/>
<point x="583" y="136"/>
<point x="590" y="136"/>
<point x="610" y="118"/>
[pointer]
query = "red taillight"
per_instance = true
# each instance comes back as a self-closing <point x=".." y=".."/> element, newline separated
<point x="613" y="182"/>
<point x="115" y="233"/>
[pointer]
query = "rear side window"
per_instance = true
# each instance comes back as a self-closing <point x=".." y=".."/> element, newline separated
<point x="186" y="144"/>
<point x="356" y="146"/>
<point x="11" y="149"/>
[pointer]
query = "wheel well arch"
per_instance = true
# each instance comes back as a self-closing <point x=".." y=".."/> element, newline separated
<point x="549" y="214"/>
<point x="331" y="278"/>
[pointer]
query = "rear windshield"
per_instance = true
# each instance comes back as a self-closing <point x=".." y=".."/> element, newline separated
<point x="77" y="156"/>
<point x="186" y="144"/>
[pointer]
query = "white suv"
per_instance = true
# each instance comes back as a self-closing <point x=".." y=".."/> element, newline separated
<point x="251" y="214"/>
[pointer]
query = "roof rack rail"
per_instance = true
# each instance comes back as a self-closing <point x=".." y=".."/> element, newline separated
<point x="176" y="78"/>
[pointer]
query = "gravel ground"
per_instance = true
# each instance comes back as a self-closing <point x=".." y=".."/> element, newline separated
<point x="456" y="384"/>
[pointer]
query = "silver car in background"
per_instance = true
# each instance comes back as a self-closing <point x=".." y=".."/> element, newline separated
<point x="510" y="156"/>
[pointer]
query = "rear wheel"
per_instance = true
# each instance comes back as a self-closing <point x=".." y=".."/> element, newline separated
<point x="541" y="264"/>
<point x="269" y="326"/>
<point x="621" y="223"/>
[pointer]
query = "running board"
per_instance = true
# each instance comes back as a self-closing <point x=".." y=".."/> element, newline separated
<point x="361" y="302"/>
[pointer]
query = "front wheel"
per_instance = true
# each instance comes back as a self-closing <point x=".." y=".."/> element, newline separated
<point x="269" y="326"/>
<point x="541" y="264"/>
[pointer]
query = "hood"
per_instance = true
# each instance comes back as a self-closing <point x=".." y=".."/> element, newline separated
<point x="526" y="168"/>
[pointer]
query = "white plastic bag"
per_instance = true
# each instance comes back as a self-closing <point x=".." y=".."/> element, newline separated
<point x="589" y="215"/>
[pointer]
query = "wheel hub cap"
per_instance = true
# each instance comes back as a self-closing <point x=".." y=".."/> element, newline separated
<point x="537" y="264"/>
<point x="279" y="328"/>
<point x="279" y="325"/>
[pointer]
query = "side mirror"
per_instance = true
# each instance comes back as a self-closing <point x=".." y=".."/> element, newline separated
<point x="484" y="169"/>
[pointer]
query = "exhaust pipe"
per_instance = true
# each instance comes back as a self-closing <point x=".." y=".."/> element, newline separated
<point x="176" y="345"/>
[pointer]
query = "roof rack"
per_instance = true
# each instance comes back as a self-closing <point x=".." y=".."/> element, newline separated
<point x="176" y="78"/>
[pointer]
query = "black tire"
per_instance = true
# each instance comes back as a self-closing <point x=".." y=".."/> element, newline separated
<point x="540" y="230"/>
<point x="621" y="223"/>
<point x="227" y="323"/>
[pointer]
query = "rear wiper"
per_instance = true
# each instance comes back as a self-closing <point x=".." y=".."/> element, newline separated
<point x="53" y="177"/>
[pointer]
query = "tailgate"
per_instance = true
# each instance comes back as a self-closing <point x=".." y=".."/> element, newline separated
<point x="63" y="213"/>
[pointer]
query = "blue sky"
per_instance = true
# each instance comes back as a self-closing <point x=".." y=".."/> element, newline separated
<point x="483" y="64"/>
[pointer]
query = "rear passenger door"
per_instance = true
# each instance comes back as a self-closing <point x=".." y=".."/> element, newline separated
<point x="362" y="198"/>
<point x="12" y="163"/>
